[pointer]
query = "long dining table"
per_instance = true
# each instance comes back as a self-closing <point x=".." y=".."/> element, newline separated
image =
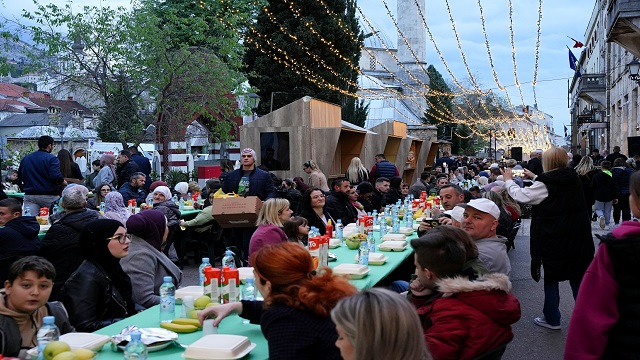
<point x="235" y="325"/>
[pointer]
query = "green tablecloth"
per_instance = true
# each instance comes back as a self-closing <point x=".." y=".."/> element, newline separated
<point x="189" y="213"/>
<point x="234" y="324"/>
<point x="150" y="318"/>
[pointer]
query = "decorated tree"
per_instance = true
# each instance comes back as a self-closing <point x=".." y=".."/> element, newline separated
<point x="306" y="48"/>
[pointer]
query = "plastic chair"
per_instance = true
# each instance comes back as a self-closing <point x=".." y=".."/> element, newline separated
<point x="207" y="240"/>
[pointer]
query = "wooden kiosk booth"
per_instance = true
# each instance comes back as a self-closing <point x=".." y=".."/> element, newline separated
<point x="312" y="129"/>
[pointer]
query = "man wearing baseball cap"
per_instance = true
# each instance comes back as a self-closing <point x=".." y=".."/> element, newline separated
<point x="480" y="221"/>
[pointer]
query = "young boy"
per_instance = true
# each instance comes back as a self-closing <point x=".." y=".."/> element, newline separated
<point x="23" y="305"/>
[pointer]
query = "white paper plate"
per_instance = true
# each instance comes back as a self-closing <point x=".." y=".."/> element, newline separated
<point x="219" y="347"/>
<point x="160" y="345"/>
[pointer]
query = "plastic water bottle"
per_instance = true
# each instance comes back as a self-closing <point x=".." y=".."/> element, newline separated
<point x="375" y="217"/>
<point x="167" y="300"/>
<point x="339" y="229"/>
<point x="181" y="204"/>
<point x="205" y="262"/>
<point x="101" y="207"/>
<point x="363" y="254"/>
<point x="408" y="218"/>
<point x="383" y="225"/>
<point x="27" y="211"/>
<point x="48" y="332"/>
<point x="249" y="289"/>
<point x="136" y="349"/>
<point x="371" y="241"/>
<point x="174" y="198"/>
<point x="228" y="259"/>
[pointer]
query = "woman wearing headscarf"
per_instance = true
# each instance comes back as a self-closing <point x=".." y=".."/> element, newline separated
<point x="182" y="188"/>
<point x="162" y="201"/>
<point x="107" y="173"/>
<point x="146" y="264"/>
<point x="114" y="208"/>
<point x="99" y="293"/>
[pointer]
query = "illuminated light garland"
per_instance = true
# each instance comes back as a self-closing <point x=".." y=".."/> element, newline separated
<point x="513" y="51"/>
<point x="537" y="52"/>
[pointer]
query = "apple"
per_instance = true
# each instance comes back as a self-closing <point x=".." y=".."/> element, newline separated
<point x="201" y="302"/>
<point x="66" y="355"/>
<point x="54" y="348"/>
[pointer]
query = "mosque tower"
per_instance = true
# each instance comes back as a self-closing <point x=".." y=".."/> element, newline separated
<point x="412" y="26"/>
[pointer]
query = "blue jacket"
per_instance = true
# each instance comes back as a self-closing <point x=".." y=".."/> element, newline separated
<point x="384" y="169"/>
<point x="128" y="192"/>
<point x="260" y="183"/>
<point x="40" y="173"/>
<point x="18" y="238"/>
<point x="622" y="175"/>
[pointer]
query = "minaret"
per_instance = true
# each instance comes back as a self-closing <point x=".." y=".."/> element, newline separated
<point x="411" y="25"/>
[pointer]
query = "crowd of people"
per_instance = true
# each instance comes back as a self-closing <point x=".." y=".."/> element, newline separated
<point x="99" y="263"/>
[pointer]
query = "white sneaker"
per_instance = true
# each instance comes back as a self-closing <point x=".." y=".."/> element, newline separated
<point x="540" y="321"/>
<point x="601" y="221"/>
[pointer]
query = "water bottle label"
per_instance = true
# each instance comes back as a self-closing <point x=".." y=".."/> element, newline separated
<point x="167" y="304"/>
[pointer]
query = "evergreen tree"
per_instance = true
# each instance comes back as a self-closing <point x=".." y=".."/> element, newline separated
<point x="302" y="48"/>
<point x="439" y="106"/>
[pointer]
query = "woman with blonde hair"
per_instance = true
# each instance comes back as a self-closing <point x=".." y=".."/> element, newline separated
<point x="585" y="170"/>
<point x="378" y="324"/>
<point x="273" y="214"/>
<point x="561" y="240"/>
<point x="316" y="176"/>
<point x="356" y="172"/>
<point x="295" y="314"/>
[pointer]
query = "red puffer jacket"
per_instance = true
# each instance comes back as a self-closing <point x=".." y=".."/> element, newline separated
<point x="468" y="318"/>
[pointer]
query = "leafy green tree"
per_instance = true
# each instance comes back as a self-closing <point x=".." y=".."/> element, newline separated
<point x="306" y="48"/>
<point x="439" y="107"/>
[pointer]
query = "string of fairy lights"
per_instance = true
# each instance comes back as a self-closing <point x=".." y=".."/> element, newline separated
<point x="477" y="123"/>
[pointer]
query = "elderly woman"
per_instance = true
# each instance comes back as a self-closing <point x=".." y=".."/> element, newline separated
<point x="182" y="188"/>
<point x="316" y="176"/>
<point x="561" y="240"/>
<point x="146" y="264"/>
<point x="114" y="208"/>
<point x="273" y="214"/>
<point x="162" y="202"/>
<point x="107" y="173"/>
<point x="296" y="301"/>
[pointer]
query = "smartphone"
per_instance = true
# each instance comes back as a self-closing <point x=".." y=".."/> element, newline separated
<point x="519" y="173"/>
<point x="431" y="222"/>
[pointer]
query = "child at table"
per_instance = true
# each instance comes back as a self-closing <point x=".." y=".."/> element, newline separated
<point x="295" y="314"/>
<point x="23" y="305"/>
<point x="297" y="230"/>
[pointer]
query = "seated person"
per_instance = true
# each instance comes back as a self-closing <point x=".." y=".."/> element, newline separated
<point x="23" y="305"/>
<point x="461" y="318"/>
<point x="99" y="293"/>
<point x="134" y="189"/>
<point x="146" y="264"/>
<point x="60" y="244"/>
<point x="203" y="221"/>
<point x="18" y="236"/>
<point x="11" y="181"/>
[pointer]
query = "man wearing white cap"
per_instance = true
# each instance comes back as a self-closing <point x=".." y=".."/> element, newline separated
<point x="480" y="221"/>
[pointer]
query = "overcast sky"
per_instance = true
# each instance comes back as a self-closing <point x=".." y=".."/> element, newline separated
<point x="561" y="18"/>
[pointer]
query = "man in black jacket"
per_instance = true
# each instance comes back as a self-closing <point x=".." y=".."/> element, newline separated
<point x="604" y="192"/>
<point x="60" y="244"/>
<point x="18" y="236"/>
<point x="338" y="204"/>
<point x="134" y="189"/>
<point x="126" y="167"/>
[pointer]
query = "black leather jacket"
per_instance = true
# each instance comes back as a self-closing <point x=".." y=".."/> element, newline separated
<point x="92" y="300"/>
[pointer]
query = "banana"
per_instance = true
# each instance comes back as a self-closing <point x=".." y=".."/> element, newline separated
<point x="184" y="321"/>
<point x="179" y="328"/>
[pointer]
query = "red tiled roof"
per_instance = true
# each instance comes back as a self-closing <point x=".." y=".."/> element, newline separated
<point x="12" y="90"/>
<point x="7" y="105"/>
<point x="66" y="106"/>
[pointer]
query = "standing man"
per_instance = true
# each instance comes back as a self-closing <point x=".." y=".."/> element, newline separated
<point x="126" y="167"/>
<point x="383" y="168"/>
<point x="248" y="180"/>
<point x="134" y="189"/>
<point x="615" y="155"/>
<point x="40" y="173"/>
<point x="144" y="165"/>
<point x="535" y="163"/>
<point x="446" y="159"/>
<point x="596" y="157"/>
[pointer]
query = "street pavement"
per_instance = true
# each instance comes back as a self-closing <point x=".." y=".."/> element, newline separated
<point x="530" y="341"/>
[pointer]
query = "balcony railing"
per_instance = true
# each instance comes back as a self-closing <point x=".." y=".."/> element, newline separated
<point x="592" y="83"/>
<point x="618" y="10"/>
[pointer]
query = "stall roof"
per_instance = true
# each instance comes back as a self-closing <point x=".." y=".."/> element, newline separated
<point x="350" y="126"/>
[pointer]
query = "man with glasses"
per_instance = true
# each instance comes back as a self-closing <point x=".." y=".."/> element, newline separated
<point x="60" y="244"/>
<point x="248" y="180"/>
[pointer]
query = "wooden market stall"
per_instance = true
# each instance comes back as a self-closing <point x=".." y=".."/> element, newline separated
<point x="312" y="129"/>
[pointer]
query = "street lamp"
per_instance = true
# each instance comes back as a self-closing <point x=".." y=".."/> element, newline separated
<point x="61" y="127"/>
<point x="634" y="70"/>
